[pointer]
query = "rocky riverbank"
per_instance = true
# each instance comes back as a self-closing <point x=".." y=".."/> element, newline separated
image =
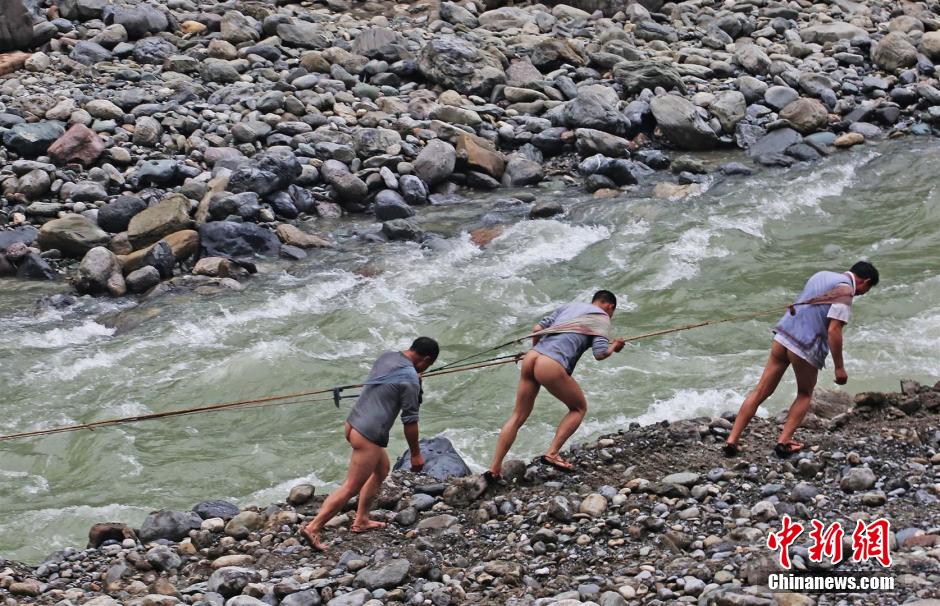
<point x="653" y="515"/>
<point x="144" y="141"/>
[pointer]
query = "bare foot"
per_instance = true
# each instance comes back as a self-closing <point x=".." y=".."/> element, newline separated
<point x="361" y="527"/>
<point x="557" y="462"/>
<point x="313" y="538"/>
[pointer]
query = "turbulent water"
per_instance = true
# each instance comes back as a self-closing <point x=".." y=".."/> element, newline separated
<point x="745" y="244"/>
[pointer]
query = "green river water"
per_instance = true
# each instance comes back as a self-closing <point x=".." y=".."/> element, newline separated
<point x="745" y="244"/>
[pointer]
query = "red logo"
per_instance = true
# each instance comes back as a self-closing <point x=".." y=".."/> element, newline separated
<point x="869" y="541"/>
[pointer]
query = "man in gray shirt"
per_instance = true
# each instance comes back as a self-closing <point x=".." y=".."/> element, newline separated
<point x="579" y="326"/>
<point x="393" y="388"/>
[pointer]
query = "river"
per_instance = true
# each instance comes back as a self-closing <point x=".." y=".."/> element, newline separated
<point x="745" y="244"/>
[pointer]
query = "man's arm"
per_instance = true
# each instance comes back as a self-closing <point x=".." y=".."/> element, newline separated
<point x="835" y="346"/>
<point x="613" y="347"/>
<point x="411" y="435"/>
<point x="410" y="404"/>
<point x="535" y="339"/>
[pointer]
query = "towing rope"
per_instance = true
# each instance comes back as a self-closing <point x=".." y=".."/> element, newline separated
<point x="456" y="366"/>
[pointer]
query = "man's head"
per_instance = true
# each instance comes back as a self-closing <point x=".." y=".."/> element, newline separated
<point x="606" y="300"/>
<point x="423" y="353"/>
<point x="866" y="276"/>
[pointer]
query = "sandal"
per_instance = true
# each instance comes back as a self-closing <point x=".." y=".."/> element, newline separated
<point x="558" y="463"/>
<point x="785" y="449"/>
<point x="308" y="539"/>
<point x="730" y="450"/>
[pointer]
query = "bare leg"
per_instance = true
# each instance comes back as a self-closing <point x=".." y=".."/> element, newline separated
<point x="777" y="364"/>
<point x="525" y="400"/>
<point x="806" y="375"/>
<point x="367" y="496"/>
<point x="560" y="384"/>
<point x="362" y="464"/>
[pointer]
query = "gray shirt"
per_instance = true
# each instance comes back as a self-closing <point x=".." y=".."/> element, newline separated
<point x="566" y="348"/>
<point x="378" y="405"/>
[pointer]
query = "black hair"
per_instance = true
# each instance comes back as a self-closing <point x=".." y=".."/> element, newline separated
<point x="605" y="296"/>
<point x="426" y="346"/>
<point x="865" y="270"/>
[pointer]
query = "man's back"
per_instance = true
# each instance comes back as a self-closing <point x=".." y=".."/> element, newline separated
<point x="380" y="404"/>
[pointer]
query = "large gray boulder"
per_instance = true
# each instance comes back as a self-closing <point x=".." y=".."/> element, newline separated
<point x="99" y="273"/>
<point x="169" y="525"/>
<point x="73" y="235"/>
<point x="894" y="52"/>
<point x="831" y="32"/>
<point x="16" y="26"/>
<point x="461" y="65"/>
<point x="441" y="459"/>
<point x="237" y="240"/>
<point x="681" y="123"/>
<point x="595" y="107"/>
<point x="436" y="161"/>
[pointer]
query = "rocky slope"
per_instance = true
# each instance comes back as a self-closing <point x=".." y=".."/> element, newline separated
<point x="149" y="139"/>
<point x="654" y="515"/>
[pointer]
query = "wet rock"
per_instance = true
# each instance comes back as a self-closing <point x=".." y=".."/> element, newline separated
<point x="546" y="209"/>
<point x="73" y="235"/>
<point x="115" y="216"/>
<point x="168" y="216"/>
<point x="806" y="115"/>
<point x="402" y="229"/>
<point x="436" y="162"/>
<point x="390" y="205"/>
<point x="294" y="236"/>
<point x="169" y="525"/>
<point x="590" y="142"/>
<point x="682" y="124"/>
<point x="301" y="494"/>
<point x="34" y="267"/>
<point x="100" y="273"/>
<point x="774" y="142"/>
<point x="441" y="459"/>
<point x="237" y="240"/>
<point x="31" y="140"/>
<point x="143" y="279"/>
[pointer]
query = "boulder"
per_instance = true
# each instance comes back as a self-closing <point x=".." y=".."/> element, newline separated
<point x="237" y="240"/>
<point x="387" y="574"/>
<point x="480" y="154"/>
<point x="752" y="59"/>
<point x="143" y="279"/>
<point x="521" y="171"/>
<point x="169" y="525"/>
<point x="115" y="216"/>
<point x="590" y="142"/>
<point x="32" y="139"/>
<point x="78" y="144"/>
<point x="930" y="45"/>
<point x="109" y="531"/>
<point x="729" y="107"/>
<point x="265" y="173"/>
<point x="806" y="115"/>
<point x="894" y="52"/>
<point x="595" y="107"/>
<point x="441" y="459"/>
<point x="100" y="273"/>
<point x="87" y="52"/>
<point x="413" y="189"/>
<point x="74" y="235"/>
<point x="230" y="581"/>
<point x="16" y="26"/>
<point x="774" y="142"/>
<point x="436" y="161"/>
<point x="138" y="21"/>
<point x="168" y="216"/>
<point x="294" y="236"/>
<point x="390" y="205"/>
<point x="461" y="65"/>
<point x="680" y="122"/>
<point x="304" y="34"/>
<point x="634" y="76"/>
<point x="618" y="170"/>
